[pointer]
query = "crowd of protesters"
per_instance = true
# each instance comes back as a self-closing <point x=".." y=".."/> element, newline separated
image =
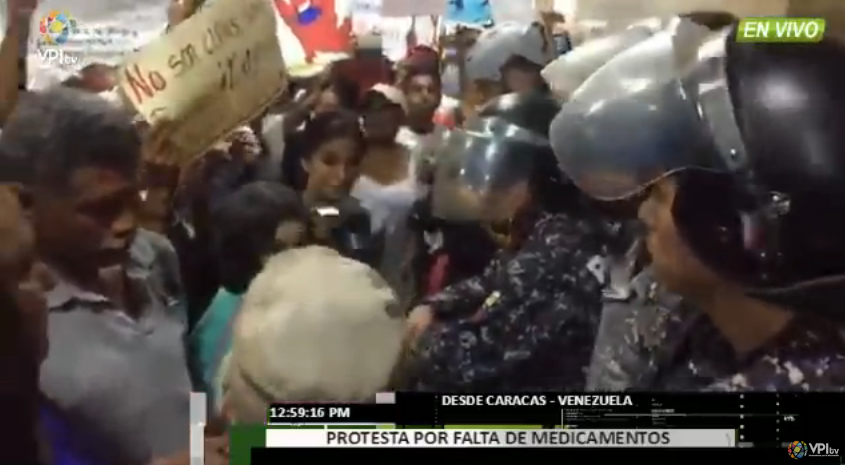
<point x="364" y="234"/>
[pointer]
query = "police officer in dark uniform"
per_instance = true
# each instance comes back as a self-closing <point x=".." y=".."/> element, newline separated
<point x="739" y="151"/>
<point x="627" y="283"/>
<point x="635" y="305"/>
<point x="516" y="326"/>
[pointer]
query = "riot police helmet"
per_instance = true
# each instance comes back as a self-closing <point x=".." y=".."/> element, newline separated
<point x="533" y="111"/>
<point x="567" y="72"/>
<point x="502" y="44"/>
<point x="751" y="136"/>
<point x="505" y="146"/>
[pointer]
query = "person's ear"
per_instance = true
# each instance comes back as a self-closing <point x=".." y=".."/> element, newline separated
<point x="304" y="163"/>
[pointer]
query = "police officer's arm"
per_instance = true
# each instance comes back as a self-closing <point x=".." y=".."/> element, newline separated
<point x="464" y="297"/>
<point x="791" y="371"/>
<point x="548" y="286"/>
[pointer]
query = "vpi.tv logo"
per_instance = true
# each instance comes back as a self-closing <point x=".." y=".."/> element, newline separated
<point x="799" y="450"/>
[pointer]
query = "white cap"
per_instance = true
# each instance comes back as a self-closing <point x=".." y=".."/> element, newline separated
<point x="495" y="46"/>
<point x="313" y="326"/>
<point x="391" y="93"/>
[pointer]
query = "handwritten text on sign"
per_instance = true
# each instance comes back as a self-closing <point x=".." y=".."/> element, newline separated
<point x="210" y="74"/>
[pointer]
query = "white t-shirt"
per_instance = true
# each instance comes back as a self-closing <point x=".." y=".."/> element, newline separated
<point x="421" y="146"/>
<point x="390" y="204"/>
<point x="274" y="136"/>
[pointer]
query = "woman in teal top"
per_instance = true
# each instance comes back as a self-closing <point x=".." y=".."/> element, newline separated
<point x="254" y="222"/>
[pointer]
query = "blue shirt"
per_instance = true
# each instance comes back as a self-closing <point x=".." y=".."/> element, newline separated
<point x="212" y="338"/>
<point x="65" y="444"/>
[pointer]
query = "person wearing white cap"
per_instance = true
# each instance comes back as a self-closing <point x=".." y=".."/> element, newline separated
<point x="294" y="340"/>
<point x="507" y="58"/>
<point x="387" y="184"/>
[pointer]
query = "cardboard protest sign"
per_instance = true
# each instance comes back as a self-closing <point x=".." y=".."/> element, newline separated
<point x="218" y="69"/>
<point x="404" y="8"/>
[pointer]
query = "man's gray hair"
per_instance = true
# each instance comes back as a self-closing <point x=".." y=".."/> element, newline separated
<point x="313" y="326"/>
<point x="53" y="133"/>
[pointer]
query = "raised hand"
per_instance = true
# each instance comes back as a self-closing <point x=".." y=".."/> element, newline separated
<point x="20" y="8"/>
<point x="178" y="11"/>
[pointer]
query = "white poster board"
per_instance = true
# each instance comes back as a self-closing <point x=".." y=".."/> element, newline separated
<point x="404" y="8"/>
<point x="334" y="17"/>
<point x="627" y="10"/>
<point x="217" y="70"/>
<point x="523" y="12"/>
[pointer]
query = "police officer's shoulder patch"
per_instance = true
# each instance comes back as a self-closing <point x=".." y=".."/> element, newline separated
<point x="597" y="266"/>
<point x="492" y="299"/>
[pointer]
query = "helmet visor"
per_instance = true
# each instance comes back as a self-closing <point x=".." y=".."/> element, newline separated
<point x="476" y="170"/>
<point x="632" y="122"/>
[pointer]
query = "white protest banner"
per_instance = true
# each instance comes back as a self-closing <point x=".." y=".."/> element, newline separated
<point x="621" y="11"/>
<point x="504" y="11"/>
<point x="313" y="33"/>
<point x="394" y="35"/>
<point x="365" y="7"/>
<point x="403" y="8"/>
<point x="218" y="69"/>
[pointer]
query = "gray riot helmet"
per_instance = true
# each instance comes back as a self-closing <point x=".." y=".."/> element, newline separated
<point x="568" y="72"/>
<point x="496" y="46"/>
<point x="751" y="134"/>
<point x="534" y="111"/>
<point x="648" y="70"/>
<point x="477" y="167"/>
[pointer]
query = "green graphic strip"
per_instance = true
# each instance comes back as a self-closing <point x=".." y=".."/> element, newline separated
<point x="494" y="427"/>
<point x="242" y="438"/>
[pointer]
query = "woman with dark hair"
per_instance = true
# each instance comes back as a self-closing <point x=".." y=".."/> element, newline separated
<point x="332" y="146"/>
<point x="327" y="93"/>
<point x="331" y="152"/>
<point x="256" y="221"/>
